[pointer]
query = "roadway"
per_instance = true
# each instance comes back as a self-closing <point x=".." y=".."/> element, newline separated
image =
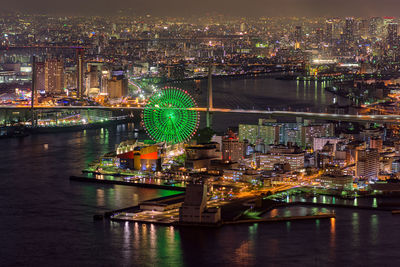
<point x="392" y="119"/>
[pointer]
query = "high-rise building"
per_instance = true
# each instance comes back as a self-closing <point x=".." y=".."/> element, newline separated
<point x="367" y="163"/>
<point x="233" y="150"/>
<point x="70" y="78"/>
<point x="320" y="142"/>
<point x="280" y="154"/>
<point x="94" y="76"/>
<point x="79" y="72"/>
<point x="319" y="36"/>
<point x="309" y="132"/>
<point x="117" y="87"/>
<point x="363" y="27"/>
<point x="40" y="76"/>
<point x="375" y="25"/>
<point x="329" y="31"/>
<point x="392" y="36"/>
<point x="348" y="32"/>
<point x="271" y="132"/>
<point x="298" y="34"/>
<point x="268" y="134"/>
<point x="376" y="143"/>
<point x="54" y="75"/>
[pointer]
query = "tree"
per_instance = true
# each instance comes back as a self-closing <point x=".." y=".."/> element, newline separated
<point x="204" y="135"/>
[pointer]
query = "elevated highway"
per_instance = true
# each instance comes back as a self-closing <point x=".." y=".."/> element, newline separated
<point x="390" y="119"/>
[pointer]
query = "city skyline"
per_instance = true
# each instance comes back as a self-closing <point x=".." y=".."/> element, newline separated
<point x="208" y="133"/>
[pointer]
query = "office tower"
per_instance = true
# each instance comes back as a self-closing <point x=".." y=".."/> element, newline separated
<point x="298" y="34"/>
<point x="363" y="27"/>
<point x="232" y="149"/>
<point x="309" y="132"/>
<point x="375" y="25"/>
<point x="320" y="142"/>
<point x="209" y="97"/>
<point x="376" y="143"/>
<point x="319" y="36"/>
<point x="117" y="87"/>
<point x="54" y="75"/>
<point x="268" y="134"/>
<point x="79" y="72"/>
<point x="392" y="34"/>
<point x="105" y="76"/>
<point x="94" y="76"/>
<point x="329" y="31"/>
<point x="367" y="163"/>
<point x="40" y="76"/>
<point x="33" y="89"/>
<point x="349" y="30"/>
<point x="70" y="78"/>
<point x="280" y="154"/>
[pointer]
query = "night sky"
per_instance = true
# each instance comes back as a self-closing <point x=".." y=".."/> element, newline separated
<point x="203" y="7"/>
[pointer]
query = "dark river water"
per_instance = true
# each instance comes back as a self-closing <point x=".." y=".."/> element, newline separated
<point x="262" y="94"/>
<point x="47" y="220"/>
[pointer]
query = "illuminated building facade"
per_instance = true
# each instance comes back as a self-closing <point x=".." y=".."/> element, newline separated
<point x="271" y="132"/>
<point x="339" y="182"/>
<point x="268" y="134"/>
<point x="367" y="163"/>
<point x="117" y="87"/>
<point x="320" y="142"/>
<point x="233" y="150"/>
<point x="282" y="155"/>
<point x="54" y="75"/>
<point x="392" y="37"/>
<point x="138" y="156"/>
<point x="40" y="83"/>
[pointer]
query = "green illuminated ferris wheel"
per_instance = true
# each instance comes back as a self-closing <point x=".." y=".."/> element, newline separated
<point x="169" y="116"/>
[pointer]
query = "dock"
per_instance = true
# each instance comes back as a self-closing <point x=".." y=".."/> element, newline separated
<point x="285" y="219"/>
<point x="328" y="205"/>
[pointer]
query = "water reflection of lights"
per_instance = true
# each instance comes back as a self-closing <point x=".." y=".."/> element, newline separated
<point x="153" y="242"/>
<point x="274" y="213"/>
<point x="253" y="230"/>
<point x="332" y="242"/>
<point x="100" y="197"/>
<point x="356" y="229"/>
<point x="288" y="224"/>
<point x="244" y="253"/>
<point x="374" y="228"/>
<point x="136" y="236"/>
<point x="333" y="229"/>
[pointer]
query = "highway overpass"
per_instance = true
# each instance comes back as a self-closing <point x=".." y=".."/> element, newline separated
<point x="391" y="119"/>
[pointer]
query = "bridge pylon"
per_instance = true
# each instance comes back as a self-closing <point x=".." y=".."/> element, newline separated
<point x="209" y="97"/>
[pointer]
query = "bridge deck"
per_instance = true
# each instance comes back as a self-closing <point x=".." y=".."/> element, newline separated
<point x="393" y="119"/>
